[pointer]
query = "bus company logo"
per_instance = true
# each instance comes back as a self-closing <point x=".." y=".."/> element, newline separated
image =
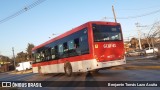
<point x="109" y="45"/>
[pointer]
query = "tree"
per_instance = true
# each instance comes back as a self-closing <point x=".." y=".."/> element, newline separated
<point x="134" y="42"/>
<point x="153" y="33"/>
<point x="29" y="51"/>
<point x="21" y="57"/>
<point x="25" y="56"/>
<point x="4" y="59"/>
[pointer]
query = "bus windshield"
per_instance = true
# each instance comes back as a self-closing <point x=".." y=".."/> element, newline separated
<point x="103" y="33"/>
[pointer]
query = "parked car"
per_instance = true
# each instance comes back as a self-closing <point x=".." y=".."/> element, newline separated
<point x="150" y="50"/>
<point x="137" y="52"/>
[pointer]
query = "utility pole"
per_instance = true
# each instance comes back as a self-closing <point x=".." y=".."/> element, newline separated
<point x="153" y="44"/>
<point x="139" y="34"/>
<point x="114" y="14"/>
<point x="14" y="58"/>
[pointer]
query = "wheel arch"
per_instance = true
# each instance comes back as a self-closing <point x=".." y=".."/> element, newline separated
<point x="67" y="62"/>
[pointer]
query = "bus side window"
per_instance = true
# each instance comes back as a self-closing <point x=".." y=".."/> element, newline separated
<point x="47" y="54"/>
<point x="56" y="52"/>
<point x="60" y="50"/>
<point x="76" y="43"/>
<point x="84" y="46"/>
<point x="42" y="55"/>
<point x="37" y="57"/>
<point x="65" y="47"/>
<point x="65" y="50"/>
<point x="70" y="45"/>
<point x="33" y="57"/>
<point x="76" y="47"/>
<point x="53" y="56"/>
<point x="71" y="48"/>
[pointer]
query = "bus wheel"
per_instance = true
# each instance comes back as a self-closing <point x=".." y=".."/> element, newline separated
<point x="68" y="69"/>
<point x="40" y="71"/>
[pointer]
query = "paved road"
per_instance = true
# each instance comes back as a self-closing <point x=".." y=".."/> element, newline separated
<point x="137" y="70"/>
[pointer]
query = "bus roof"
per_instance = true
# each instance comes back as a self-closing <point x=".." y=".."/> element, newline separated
<point x="72" y="31"/>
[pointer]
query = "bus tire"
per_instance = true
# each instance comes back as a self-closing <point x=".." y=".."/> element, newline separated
<point x="40" y="71"/>
<point x="68" y="69"/>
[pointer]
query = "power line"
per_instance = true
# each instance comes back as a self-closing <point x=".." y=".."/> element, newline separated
<point x="40" y="1"/>
<point x="137" y="16"/>
<point x="22" y="11"/>
<point x="145" y="8"/>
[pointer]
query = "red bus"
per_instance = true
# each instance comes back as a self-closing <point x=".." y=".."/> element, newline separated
<point x="92" y="46"/>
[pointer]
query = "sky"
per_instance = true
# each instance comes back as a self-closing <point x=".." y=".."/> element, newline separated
<point x="50" y="17"/>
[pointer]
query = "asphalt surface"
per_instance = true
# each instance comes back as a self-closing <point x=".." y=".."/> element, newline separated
<point x="141" y="69"/>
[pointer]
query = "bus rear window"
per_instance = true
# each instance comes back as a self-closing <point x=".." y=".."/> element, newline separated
<point x="106" y="33"/>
